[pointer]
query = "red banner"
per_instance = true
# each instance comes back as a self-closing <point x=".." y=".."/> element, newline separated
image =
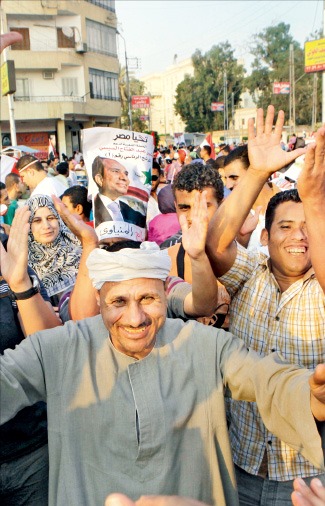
<point x="140" y="102"/>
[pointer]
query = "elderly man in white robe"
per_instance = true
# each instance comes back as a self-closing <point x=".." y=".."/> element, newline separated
<point x="136" y="400"/>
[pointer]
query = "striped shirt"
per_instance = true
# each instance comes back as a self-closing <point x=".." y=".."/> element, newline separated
<point x="291" y="323"/>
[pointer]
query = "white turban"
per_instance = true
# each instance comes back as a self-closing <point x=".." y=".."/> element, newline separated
<point x="128" y="263"/>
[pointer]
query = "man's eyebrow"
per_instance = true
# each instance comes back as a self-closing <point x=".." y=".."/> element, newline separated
<point x="183" y="206"/>
<point x="287" y="221"/>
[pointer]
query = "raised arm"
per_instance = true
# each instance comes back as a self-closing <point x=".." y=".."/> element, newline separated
<point x="266" y="157"/>
<point x="82" y="303"/>
<point x="203" y="299"/>
<point x="35" y="314"/>
<point x="7" y="39"/>
<point x="311" y="189"/>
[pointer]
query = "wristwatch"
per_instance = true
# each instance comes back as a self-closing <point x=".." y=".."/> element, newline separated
<point x="27" y="294"/>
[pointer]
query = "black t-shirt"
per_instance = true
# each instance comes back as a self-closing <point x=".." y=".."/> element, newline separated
<point x="27" y="431"/>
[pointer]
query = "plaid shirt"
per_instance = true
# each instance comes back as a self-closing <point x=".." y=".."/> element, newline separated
<point x="291" y="323"/>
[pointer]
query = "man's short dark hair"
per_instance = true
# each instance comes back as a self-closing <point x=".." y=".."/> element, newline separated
<point x="241" y="154"/>
<point x="78" y="195"/>
<point x="26" y="159"/>
<point x="275" y="201"/>
<point x="196" y="176"/>
<point x="155" y="165"/>
<point x="207" y="149"/>
<point x="2" y="186"/>
<point x="11" y="179"/>
<point x="63" y="168"/>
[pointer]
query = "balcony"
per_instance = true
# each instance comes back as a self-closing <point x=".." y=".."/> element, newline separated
<point x="61" y="98"/>
<point x="60" y="107"/>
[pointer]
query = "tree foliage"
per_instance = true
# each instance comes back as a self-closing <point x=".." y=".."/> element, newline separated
<point x="194" y="95"/>
<point x="271" y="51"/>
<point x="136" y="88"/>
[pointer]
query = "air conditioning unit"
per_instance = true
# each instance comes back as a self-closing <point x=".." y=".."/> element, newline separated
<point x="81" y="47"/>
<point x="48" y="74"/>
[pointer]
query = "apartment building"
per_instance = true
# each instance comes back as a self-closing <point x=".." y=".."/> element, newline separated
<point x="66" y="70"/>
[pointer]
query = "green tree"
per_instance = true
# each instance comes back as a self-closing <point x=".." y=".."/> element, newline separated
<point x="136" y="88"/>
<point x="271" y="64"/>
<point x="194" y="95"/>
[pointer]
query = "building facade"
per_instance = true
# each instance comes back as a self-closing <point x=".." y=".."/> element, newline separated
<point x="66" y="70"/>
<point x="162" y="89"/>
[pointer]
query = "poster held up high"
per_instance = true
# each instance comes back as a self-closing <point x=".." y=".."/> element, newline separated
<point x="119" y="173"/>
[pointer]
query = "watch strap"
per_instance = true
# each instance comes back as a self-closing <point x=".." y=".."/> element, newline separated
<point x="27" y="294"/>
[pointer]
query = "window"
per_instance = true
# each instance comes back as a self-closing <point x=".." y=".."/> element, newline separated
<point x="105" y="4"/>
<point x="25" y="43"/>
<point x="70" y="86"/>
<point x="64" y="40"/>
<point x="101" y="38"/>
<point x="103" y="85"/>
<point x="22" y="89"/>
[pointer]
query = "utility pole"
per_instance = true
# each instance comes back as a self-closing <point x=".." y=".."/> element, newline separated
<point x="127" y="81"/>
<point x="292" y="104"/>
<point x="233" y="113"/>
<point x="225" y="103"/>
<point x="314" y="109"/>
<point x="10" y="96"/>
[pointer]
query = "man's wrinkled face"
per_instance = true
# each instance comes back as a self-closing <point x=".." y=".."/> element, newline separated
<point x="133" y="311"/>
<point x="115" y="181"/>
<point x="184" y="202"/>
<point x="233" y="173"/>
<point x="288" y="242"/>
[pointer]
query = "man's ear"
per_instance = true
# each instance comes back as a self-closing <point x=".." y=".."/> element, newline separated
<point x="79" y="209"/>
<point x="99" y="180"/>
<point x="264" y="237"/>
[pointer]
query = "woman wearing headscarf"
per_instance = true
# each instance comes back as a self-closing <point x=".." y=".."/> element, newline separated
<point x="53" y="250"/>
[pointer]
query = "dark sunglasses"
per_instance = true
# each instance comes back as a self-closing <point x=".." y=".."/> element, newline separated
<point x="154" y="178"/>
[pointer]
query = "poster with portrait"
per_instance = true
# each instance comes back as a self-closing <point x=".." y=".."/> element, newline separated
<point x="118" y="165"/>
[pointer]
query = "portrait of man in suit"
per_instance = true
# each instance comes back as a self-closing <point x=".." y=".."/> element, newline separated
<point x="113" y="182"/>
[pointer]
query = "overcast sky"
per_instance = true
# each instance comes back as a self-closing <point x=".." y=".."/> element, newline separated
<point x="156" y="30"/>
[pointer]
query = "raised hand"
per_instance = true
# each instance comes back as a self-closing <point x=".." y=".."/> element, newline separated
<point x="264" y="151"/>
<point x="311" y="181"/>
<point x="194" y="235"/>
<point x="9" y="38"/>
<point x="13" y="262"/>
<point x="79" y="228"/>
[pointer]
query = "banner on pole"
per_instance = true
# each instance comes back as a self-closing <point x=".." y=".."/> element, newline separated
<point x="281" y="88"/>
<point x="217" y="107"/>
<point x="140" y="101"/>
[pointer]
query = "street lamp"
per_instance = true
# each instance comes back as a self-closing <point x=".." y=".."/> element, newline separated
<point x="127" y="80"/>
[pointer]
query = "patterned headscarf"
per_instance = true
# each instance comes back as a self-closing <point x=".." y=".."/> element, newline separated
<point x="56" y="263"/>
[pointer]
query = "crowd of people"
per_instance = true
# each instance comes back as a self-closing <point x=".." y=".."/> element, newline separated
<point x="185" y="370"/>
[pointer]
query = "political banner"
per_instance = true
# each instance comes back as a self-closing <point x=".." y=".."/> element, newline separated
<point x="282" y="88"/>
<point x="217" y="107"/>
<point x="140" y="101"/>
<point x="118" y="165"/>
